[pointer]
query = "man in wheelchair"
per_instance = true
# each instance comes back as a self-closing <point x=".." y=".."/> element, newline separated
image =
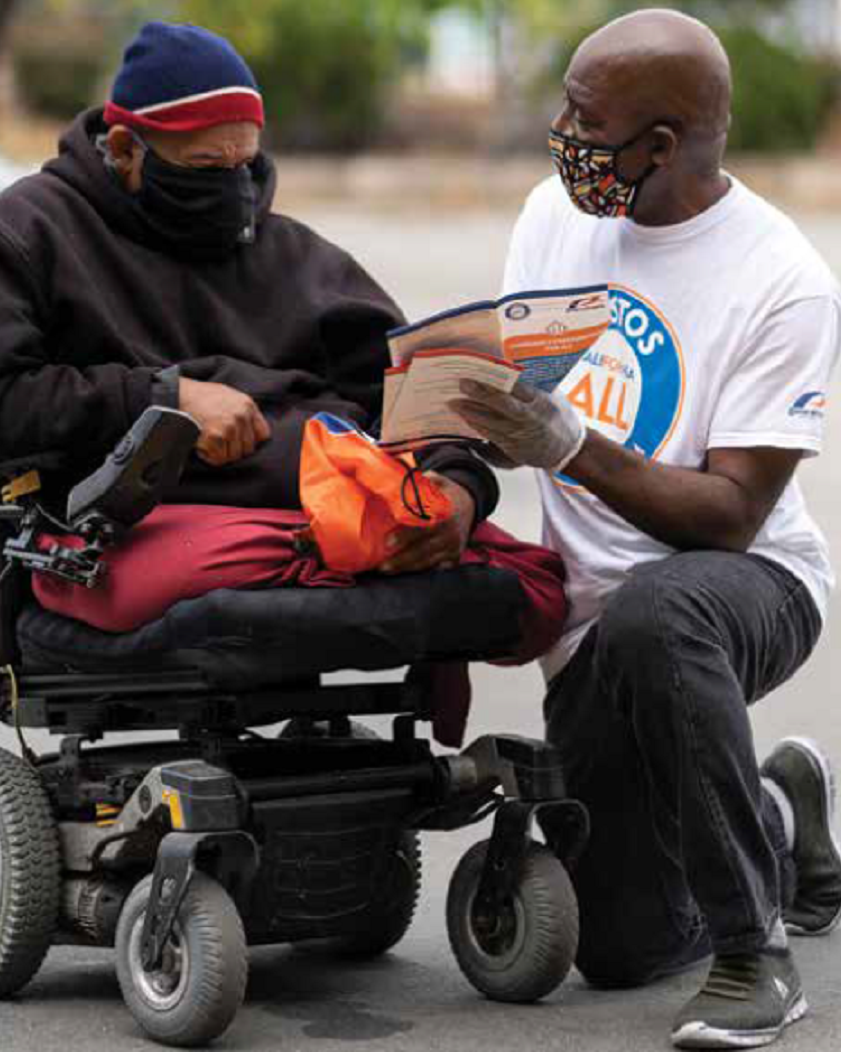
<point x="180" y="853"/>
<point x="144" y="266"/>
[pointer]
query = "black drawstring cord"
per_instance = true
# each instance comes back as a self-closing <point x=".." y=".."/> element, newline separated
<point x="418" y="511"/>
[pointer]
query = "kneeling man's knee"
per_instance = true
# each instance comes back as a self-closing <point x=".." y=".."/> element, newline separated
<point x="631" y="624"/>
<point x="652" y="610"/>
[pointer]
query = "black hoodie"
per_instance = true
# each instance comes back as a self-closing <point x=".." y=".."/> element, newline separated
<point x="94" y="313"/>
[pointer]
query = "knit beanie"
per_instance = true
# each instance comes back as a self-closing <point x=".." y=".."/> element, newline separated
<point x="179" y="78"/>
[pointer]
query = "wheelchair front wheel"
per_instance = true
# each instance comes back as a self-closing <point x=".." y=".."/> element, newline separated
<point x="195" y="994"/>
<point x="521" y="948"/>
<point x="30" y="873"/>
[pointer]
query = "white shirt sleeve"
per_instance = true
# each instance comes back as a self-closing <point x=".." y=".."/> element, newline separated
<point x="775" y="395"/>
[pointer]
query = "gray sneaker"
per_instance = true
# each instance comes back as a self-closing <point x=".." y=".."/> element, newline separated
<point x="747" y="1001"/>
<point x="803" y="773"/>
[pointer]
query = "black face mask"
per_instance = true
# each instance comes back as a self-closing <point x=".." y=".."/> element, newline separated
<point x="201" y="213"/>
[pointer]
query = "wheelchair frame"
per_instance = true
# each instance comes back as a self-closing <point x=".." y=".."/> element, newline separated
<point x="273" y="821"/>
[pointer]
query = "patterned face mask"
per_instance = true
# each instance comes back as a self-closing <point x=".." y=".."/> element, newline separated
<point x="591" y="176"/>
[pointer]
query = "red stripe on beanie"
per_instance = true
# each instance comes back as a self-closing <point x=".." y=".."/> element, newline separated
<point x="223" y="108"/>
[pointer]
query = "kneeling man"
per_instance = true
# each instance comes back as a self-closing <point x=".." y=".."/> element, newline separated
<point x="698" y="581"/>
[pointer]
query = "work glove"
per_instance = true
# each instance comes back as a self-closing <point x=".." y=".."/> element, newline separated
<point x="527" y="425"/>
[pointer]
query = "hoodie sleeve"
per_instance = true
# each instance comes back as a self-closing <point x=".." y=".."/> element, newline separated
<point x="355" y="316"/>
<point x="49" y="406"/>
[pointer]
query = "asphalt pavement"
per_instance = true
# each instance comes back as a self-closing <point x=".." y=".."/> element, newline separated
<point x="415" y="998"/>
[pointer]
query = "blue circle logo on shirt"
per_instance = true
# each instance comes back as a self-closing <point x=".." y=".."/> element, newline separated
<point x="629" y="385"/>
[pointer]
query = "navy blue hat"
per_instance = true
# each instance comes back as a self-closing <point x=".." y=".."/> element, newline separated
<point x="181" y="77"/>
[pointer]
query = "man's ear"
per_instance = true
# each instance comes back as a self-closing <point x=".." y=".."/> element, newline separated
<point x="121" y="146"/>
<point x="665" y="142"/>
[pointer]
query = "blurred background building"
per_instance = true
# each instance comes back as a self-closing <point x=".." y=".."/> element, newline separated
<point x="347" y="81"/>
<point x="410" y="74"/>
<point x="819" y="21"/>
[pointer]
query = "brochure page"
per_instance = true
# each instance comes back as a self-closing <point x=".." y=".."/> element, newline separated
<point x="416" y="410"/>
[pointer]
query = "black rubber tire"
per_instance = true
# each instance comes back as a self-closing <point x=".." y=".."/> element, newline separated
<point x="531" y="953"/>
<point x="386" y="922"/>
<point x="207" y="999"/>
<point x="30" y="873"/>
<point x="383" y="925"/>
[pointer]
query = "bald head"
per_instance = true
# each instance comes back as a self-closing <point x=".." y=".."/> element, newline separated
<point x="663" y="66"/>
<point x="652" y="92"/>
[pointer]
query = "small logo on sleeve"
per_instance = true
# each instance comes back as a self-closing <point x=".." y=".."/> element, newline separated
<point x="811" y="405"/>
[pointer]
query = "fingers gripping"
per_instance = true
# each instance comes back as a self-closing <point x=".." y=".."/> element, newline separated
<point x="529" y="426"/>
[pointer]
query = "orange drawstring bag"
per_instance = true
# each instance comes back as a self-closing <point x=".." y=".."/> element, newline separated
<point x="355" y="494"/>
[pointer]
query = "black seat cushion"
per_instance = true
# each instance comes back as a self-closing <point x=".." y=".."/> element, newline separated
<point x="254" y="638"/>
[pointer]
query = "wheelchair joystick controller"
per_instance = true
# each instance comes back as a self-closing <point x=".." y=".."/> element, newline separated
<point x="146" y="463"/>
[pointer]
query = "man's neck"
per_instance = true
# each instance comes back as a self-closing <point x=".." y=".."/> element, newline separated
<point x="680" y="204"/>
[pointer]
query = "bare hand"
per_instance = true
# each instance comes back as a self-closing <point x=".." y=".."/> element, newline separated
<point x="417" y="548"/>
<point x="232" y="425"/>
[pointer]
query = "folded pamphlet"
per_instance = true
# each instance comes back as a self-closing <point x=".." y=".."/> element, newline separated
<point x="536" y="337"/>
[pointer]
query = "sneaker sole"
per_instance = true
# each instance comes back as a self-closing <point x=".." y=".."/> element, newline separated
<point x="699" y="1035"/>
<point x="817" y="757"/>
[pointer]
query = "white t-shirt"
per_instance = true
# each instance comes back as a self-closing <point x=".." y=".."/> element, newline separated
<point x="725" y="331"/>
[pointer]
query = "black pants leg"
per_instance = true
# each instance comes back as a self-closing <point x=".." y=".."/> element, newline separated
<point x="651" y="719"/>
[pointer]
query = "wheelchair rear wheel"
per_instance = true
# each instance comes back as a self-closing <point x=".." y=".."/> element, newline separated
<point x="385" y="923"/>
<point x="30" y="877"/>
<point x="521" y="948"/>
<point x="200" y="985"/>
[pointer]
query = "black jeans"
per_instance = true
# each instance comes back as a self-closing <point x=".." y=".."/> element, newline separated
<point x="687" y="852"/>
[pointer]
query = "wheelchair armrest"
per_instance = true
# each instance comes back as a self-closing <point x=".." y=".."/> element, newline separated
<point x="146" y="462"/>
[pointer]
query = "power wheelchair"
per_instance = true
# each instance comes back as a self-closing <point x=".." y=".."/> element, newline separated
<point x="182" y="852"/>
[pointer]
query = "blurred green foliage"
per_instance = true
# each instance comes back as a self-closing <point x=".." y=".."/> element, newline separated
<point x="325" y="67"/>
<point x="57" y="82"/>
<point x="59" y="55"/>
<point x="556" y="15"/>
<point x="328" y="68"/>
<point x="782" y="95"/>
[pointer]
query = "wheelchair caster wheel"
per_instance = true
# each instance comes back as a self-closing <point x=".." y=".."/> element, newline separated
<point x="30" y="881"/>
<point x="195" y="993"/>
<point x="521" y="947"/>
